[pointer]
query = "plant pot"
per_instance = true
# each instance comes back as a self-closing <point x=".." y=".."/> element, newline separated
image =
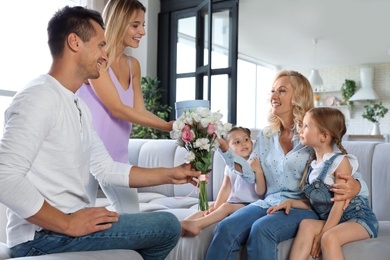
<point x="375" y="129"/>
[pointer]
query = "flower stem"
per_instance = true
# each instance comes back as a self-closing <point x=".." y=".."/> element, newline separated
<point x="203" y="202"/>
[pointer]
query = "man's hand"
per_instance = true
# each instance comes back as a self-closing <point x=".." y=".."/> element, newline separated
<point x="185" y="174"/>
<point x="345" y="191"/>
<point x="90" y="220"/>
<point x="80" y="223"/>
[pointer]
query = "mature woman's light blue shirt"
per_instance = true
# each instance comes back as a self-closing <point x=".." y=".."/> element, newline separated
<point x="283" y="172"/>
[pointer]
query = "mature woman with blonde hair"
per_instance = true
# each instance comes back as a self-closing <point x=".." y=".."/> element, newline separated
<point x="283" y="159"/>
<point x="115" y="98"/>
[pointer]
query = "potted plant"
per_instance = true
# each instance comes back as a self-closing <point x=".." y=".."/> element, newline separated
<point x="348" y="89"/>
<point x="373" y="112"/>
<point x="152" y="96"/>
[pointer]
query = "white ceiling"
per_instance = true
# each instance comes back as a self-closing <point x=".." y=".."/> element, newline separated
<point x="281" y="32"/>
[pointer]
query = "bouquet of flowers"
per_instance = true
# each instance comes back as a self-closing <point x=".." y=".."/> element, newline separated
<point x="196" y="130"/>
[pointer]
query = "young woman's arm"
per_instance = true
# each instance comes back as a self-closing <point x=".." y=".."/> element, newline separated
<point x="105" y="90"/>
<point x="139" y="103"/>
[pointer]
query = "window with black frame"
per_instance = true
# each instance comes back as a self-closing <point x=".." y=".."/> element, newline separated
<point x="202" y="47"/>
<point x="236" y="84"/>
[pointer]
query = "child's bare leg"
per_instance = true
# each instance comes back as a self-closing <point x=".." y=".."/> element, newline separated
<point x="194" y="226"/>
<point x="196" y="215"/>
<point x="343" y="233"/>
<point x="303" y="241"/>
<point x="193" y="216"/>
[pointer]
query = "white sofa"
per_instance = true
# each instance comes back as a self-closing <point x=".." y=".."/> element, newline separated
<point x="181" y="200"/>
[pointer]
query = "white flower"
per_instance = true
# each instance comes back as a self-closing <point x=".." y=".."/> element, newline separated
<point x="215" y="117"/>
<point x="215" y="146"/>
<point x="189" y="157"/>
<point x="196" y="117"/>
<point x="178" y="125"/>
<point x="203" y="112"/>
<point x="203" y="144"/>
<point x="175" y="135"/>
<point x="188" y="119"/>
<point x="227" y="127"/>
<point x="222" y="129"/>
<point x="204" y="122"/>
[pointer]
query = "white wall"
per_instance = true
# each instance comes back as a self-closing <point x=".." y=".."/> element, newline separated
<point x="334" y="78"/>
<point x="146" y="53"/>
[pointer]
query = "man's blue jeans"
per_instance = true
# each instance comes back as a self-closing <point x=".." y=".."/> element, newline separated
<point x="260" y="232"/>
<point x="153" y="235"/>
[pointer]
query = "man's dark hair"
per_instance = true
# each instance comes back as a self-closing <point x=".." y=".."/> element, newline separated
<point x="71" y="20"/>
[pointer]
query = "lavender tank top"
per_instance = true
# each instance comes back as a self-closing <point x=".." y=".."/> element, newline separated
<point x="114" y="132"/>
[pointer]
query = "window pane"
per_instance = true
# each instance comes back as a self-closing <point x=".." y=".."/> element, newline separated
<point x="185" y="89"/>
<point x="206" y="40"/>
<point x="25" y="53"/>
<point x="219" y="95"/>
<point x="246" y="94"/>
<point x="220" y="41"/>
<point x="265" y="77"/>
<point x="186" y="49"/>
<point x="254" y="84"/>
<point x="205" y="88"/>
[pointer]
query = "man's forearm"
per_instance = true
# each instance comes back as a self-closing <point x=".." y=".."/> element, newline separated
<point x="141" y="177"/>
<point x="50" y="218"/>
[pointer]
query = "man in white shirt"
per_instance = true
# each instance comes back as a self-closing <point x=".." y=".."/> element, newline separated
<point x="50" y="159"/>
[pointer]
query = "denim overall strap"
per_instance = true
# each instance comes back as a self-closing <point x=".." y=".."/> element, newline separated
<point x="324" y="170"/>
<point x="327" y="164"/>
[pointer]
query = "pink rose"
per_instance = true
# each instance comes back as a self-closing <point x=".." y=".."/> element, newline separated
<point x="186" y="134"/>
<point x="211" y="129"/>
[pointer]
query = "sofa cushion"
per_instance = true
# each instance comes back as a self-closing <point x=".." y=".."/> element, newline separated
<point x="176" y="202"/>
<point x="156" y="153"/>
<point x="381" y="182"/>
<point x="150" y="207"/>
<point x="146" y="197"/>
<point x="364" y="153"/>
<point x="4" y="251"/>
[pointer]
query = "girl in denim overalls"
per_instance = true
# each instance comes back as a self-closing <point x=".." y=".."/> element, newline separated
<point x="323" y="129"/>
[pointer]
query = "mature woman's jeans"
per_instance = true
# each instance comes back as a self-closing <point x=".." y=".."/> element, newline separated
<point x="260" y="232"/>
<point x="153" y="235"/>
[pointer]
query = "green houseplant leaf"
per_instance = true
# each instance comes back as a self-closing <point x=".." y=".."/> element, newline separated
<point x="348" y="89"/>
<point x="152" y="99"/>
<point x="374" y="111"/>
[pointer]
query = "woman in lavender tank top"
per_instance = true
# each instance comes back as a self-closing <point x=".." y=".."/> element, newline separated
<point x="115" y="98"/>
